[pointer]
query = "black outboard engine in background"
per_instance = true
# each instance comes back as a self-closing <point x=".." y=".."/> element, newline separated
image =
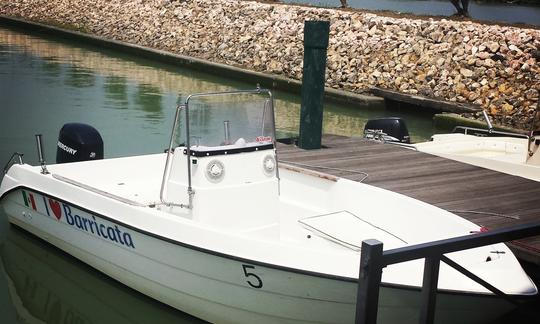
<point x="78" y="142"/>
<point x="390" y="129"/>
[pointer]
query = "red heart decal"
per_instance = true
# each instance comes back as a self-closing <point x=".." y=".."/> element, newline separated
<point x="55" y="207"/>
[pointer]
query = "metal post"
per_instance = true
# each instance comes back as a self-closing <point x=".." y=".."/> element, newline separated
<point x="316" y="34"/>
<point x="227" y="131"/>
<point x="428" y="297"/>
<point x="41" y="157"/>
<point x="369" y="279"/>
<point x="486" y="117"/>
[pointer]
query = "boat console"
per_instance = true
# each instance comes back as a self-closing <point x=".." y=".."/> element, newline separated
<point x="228" y="153"/>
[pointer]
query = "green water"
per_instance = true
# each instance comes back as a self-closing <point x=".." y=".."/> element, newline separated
<point x="46" y="82"/>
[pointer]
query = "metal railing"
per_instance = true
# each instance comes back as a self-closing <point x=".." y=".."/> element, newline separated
<point x="12" y="160"/>
<point x="487" y="132"/>
<point x="373" y="259"/>
<point x="170" y="150"/>
<point x="490" y="132"/>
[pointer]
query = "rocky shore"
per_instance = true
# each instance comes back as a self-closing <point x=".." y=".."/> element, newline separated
<point x="494" y="67"/>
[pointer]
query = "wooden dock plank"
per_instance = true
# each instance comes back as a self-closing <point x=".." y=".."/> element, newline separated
<point x="483" y="196"/>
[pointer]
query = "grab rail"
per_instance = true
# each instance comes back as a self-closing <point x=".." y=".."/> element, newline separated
<point x="11" y="161"/>
<point x="167" y="169"/>
<point x="490" y="131"/>
<point x="487" y="132"/>
<point x="373" y="260"/>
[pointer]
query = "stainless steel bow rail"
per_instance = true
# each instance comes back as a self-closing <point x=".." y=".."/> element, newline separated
<point x="373" y="260"/>
<point x="12" y="160"/>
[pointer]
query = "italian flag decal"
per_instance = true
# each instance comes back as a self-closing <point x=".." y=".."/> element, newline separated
<point x="29" y="200"/>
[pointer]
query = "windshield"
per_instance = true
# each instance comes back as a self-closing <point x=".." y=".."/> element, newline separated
<point x="240" y="119"/>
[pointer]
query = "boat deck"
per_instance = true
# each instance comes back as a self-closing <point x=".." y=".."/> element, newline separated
<point x="132" y="180"/>
<point x="483" y="196"/>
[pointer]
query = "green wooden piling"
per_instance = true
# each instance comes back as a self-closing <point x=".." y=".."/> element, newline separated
<point x="311" y="110"/>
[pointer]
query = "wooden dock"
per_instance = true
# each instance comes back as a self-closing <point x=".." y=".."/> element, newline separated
<point x="485" y="197"/>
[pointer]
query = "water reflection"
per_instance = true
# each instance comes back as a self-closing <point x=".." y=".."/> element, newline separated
<point x="6" y="307"/>
<point x="116" y="89"/>
<point x="51" y="67"/>
<point x="87" y="60"/>
<point x="148" y="98"/>
<point x="79" y="77"/>
<point x="46" y="285"/>
<point x="5" y="52"/>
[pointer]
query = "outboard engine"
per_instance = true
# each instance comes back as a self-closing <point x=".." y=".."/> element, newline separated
<point x="78" y="142"/>
<point x="391" y="129"/>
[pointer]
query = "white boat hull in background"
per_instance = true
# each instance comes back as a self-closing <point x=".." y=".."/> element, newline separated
<point x="503" y="154"/>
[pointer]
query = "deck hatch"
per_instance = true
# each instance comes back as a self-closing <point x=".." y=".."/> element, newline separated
<point x="349" y="230"/>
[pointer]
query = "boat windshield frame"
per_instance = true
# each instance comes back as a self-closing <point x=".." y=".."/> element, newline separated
<point x="189" y="152"/>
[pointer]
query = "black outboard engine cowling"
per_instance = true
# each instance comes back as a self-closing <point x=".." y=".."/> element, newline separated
<point x="389" y="129"/>
<point x="78" y="142"/>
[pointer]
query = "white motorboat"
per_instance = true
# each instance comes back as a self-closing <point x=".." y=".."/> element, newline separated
<point x="505" y="152"/>
<point x="216" y="229"/>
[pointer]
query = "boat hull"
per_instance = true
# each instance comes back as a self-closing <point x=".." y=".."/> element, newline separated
<point x="503" y="154"/>
<point x="46" y="285"/>
<point x="220" y="288"/>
